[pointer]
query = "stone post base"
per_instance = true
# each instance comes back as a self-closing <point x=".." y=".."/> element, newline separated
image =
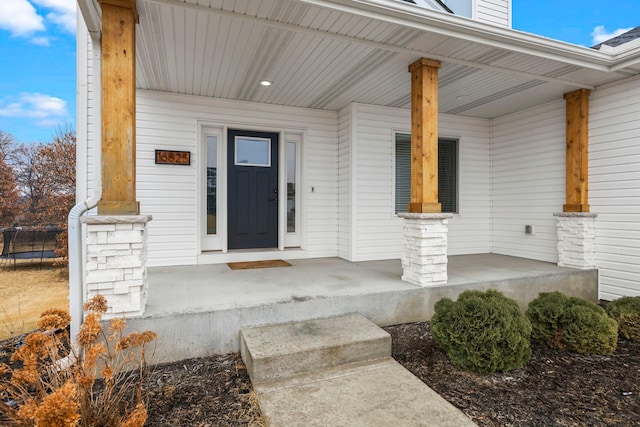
<point x="424" y="262"/>
<point x="577" y="240"/>
<point x="116" y="262"/>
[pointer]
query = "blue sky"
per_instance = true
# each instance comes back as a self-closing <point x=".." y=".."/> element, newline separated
<point x="38" y="75"/>
<point x="37" y="43"/>
<point x="583" y="22"/>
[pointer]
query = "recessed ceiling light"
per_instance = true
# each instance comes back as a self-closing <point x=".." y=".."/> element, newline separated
<point x="461" y="97"/>
<point x="265" y="83"/>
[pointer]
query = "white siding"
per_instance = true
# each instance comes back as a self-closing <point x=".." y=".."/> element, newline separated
<point x="169" y="193"/>
<point x="497" y="12"/>
<point x="470" y="229"/>
<point x="614" y="186"/>
<point x="528" y="181"/>
<point x="378" y="231"/>
<point x="344" y="183"/>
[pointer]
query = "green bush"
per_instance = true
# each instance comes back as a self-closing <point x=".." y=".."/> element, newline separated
<point x="572" y="323"/>
<point x="626" y="311"/>
<point x="482" y="331"/>
<point x="546" y="316"/>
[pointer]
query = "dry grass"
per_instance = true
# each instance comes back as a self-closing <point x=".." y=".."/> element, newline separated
<point x="27" y="291"/>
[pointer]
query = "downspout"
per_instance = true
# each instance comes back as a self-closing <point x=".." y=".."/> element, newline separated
<point x="76" y="265"/>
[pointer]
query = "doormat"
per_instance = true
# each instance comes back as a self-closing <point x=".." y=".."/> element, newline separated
<point x="258" y="264"/>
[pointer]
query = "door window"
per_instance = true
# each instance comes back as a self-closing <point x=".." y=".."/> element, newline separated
<point x="291" y="187"/>
<point x="252" y="152"/>
<point x="212" y="185"/>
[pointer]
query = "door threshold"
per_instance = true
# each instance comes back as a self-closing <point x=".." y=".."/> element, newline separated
<point x="242" y="255"/>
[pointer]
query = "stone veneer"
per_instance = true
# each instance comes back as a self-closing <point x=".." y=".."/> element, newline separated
<point x="116" y="262"/>
<point x="424" y="262"/>
<point x="576" y="239"/>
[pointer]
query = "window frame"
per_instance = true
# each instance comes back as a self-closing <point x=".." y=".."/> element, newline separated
<point x="293" y="239"/>
<point x="212" y="242"/>
<point x="236" y="146"/>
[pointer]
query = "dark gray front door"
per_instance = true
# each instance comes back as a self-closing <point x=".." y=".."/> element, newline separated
<point x="253" y="189"/>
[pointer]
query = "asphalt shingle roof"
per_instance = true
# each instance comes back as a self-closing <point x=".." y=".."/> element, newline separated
<point x="621" y="39"/>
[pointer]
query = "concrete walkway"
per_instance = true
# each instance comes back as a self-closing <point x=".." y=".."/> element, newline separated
<point x="338" y="371"/>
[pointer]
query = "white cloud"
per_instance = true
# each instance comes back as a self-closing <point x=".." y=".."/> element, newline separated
<point x="62" y="13"/>
<point x="40" y="41"/>
<point x="600" y="34"/>
<point x="44" y="109"/>
<point x="20" y="18"/>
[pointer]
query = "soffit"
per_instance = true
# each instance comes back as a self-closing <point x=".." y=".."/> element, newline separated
<point x="325" y="58"/>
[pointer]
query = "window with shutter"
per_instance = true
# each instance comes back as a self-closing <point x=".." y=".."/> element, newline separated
<point x="447" y="173"/>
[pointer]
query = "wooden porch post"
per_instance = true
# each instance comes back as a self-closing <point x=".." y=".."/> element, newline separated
<point x="119" y="18"/>
<point x="425" y="229"/>
<point x="577" y="111"/>
<point x="424" y="136"/>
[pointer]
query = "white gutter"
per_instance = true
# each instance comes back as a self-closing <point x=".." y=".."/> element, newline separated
<point x="91" y="15"/>
<point x="76" y="264"/>
<point x="626" y="55"/>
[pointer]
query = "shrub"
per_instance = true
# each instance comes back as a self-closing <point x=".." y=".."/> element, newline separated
<point x="482" y="331"/>
<point x="546" y="316"/>
<point x="54" y="384"/>
<point x="626" y="311"/>
<point x="572" y="323"/>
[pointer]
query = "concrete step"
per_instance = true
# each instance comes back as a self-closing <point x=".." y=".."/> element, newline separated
<point x="378" y="393"/>
<point x="284" y="350"/>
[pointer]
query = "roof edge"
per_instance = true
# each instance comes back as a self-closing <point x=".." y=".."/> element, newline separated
<point x="505" y="38"/>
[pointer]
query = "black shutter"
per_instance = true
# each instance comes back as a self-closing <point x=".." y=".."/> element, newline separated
<point x="447" y="173"/>
<point x="403" y="172"/>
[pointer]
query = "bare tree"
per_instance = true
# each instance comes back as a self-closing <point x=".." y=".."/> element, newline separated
<point x="38" y="182"/>
<point x="8" y="147"/>
<point x="29" y="179"/>
<point x="46" y="176"/>
<point x="9" y="195"/>
<point x="55" y="173"/>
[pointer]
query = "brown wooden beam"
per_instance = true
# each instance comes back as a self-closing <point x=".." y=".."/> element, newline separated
<point x="577" y="186"/>
<point x="119" y="19"/>
<point x="424" y="136"/>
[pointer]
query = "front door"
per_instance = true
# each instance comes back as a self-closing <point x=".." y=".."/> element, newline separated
<point x="252" y="189"/>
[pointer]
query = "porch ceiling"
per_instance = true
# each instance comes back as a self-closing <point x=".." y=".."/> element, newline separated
<point x="321" y="54"/>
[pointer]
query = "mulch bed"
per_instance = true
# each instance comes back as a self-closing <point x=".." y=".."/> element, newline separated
<point x="203" y="392"/>
<point x="554" y="389"/>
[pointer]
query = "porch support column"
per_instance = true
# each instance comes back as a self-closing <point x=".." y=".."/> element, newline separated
<point x="116" y="262"/>
<point x="577" y="187"/>
<point x="424" y="136"/>
<point x="424" y="262"/>
<point x="119" y="19"/>
<point x="576" y="226"/>
<point x="117" y="237"/>
<point x="576" y="240"/>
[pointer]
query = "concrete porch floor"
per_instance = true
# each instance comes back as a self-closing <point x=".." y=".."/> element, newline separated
<point x="199" y="310"/>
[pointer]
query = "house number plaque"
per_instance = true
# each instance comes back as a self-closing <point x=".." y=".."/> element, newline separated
<point x="166" y="157"/>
